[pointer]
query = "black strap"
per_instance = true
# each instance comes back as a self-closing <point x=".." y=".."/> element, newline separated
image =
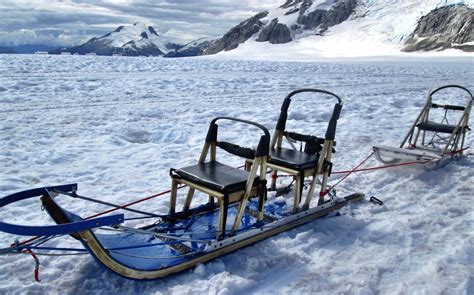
<point x="448" y="107"/>
<point x="237" y="150"/>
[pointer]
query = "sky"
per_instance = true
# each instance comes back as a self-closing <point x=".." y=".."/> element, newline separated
<point x="72" y="22"/>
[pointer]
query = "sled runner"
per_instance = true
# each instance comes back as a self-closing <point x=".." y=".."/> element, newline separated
<point x="236" y="214"/>
<point x="428" y="139"/>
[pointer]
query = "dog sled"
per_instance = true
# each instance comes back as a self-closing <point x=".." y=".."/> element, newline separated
<point x="431" y="138"/>
<point x="237" y="212"/>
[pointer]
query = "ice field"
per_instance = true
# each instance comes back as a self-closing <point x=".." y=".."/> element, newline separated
<point x="115" y="126"/>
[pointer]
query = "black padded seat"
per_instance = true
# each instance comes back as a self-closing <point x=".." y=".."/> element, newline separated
<point x="216" y="176"/>
<point x="437" y="127"/>
<point x="292" y="159"/>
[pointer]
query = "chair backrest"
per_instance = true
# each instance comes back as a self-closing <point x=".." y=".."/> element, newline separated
<point x="450" y="107"/>
<point x="425" y="116"/>
<point x="446" y="107"/>
<point x="280" y="129"/>
<point x="244" y="152"/>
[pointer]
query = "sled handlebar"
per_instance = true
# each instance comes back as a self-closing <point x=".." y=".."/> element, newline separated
<point x="331" y="130"/>
<point x="263" y="144"/>
<point x="294" y="92"/>
<point x="451" y="86"/>
<point x="50" y="230"/>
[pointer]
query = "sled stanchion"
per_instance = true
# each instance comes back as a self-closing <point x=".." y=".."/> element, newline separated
<point x="174" y="193"/>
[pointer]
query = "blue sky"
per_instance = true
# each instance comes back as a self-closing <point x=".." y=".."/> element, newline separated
<point x="71" y="22"/>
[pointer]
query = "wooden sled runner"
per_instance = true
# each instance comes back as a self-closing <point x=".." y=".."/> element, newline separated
<point x="237" y="212"/>
<point x="160" y="250"/>
<point x="429" y="140"/>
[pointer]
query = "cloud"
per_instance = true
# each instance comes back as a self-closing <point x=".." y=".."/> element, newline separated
<point x="71" y="22"/>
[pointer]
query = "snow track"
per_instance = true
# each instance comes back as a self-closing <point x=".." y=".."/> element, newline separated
<point x="116" y="125"/>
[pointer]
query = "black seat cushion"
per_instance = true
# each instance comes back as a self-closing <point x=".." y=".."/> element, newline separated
<point x="437" y="127"/>
<point x="216" y="176"/>
<point x="293" y="159"/>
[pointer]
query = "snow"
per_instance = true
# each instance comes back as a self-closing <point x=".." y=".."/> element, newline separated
<point x="321" y="5"/>
<point x="116" y="125"/>
<point x="467" y="43"/>
<point x="377" y="28"/>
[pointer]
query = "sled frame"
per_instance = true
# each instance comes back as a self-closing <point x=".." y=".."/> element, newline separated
<point x="416" y="137"/>
<point x="259" y="166"/>
<point x="323" y="165"/>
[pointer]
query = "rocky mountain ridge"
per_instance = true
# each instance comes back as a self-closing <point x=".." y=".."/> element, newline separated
<point x="446" y="27"/>
<point x="292" y="20"/>
<point x="193" y="48"/>
<point x="6" y="50"/>
<point x="448" y="24"/>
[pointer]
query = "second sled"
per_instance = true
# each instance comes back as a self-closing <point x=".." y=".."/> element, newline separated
<point x="431" y="138"/>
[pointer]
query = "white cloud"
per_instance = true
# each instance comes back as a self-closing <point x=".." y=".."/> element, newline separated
<point x="70" y="22"/>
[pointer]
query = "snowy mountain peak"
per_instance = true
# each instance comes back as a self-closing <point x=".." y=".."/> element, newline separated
<point x="301" y="15"/>
<point x="139" y="34"/>
<point x="303" y="6"/>
<point x="132" y="40"/>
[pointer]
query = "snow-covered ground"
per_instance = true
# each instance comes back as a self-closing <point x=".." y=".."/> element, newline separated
<point x="116" y="125"/>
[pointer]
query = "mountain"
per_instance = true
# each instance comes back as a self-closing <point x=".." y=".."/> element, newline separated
<point x="193" y="48"/>
<point x="350" y="28"/>
<point x="131" y="40"/>
<point x="32" y="48"/>
<point x="292" y="20"/>
<point x="4" y="49"/>
<point x="446" y="27"/>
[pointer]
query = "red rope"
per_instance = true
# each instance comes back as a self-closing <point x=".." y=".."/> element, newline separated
<point x="349" y="172"/>
<point x="382" y="167"/>
<point x="352" y="171"/>
<point x="132" y="203"/>
<point x="37" y="265"/>
<point x="386" y="166"/>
